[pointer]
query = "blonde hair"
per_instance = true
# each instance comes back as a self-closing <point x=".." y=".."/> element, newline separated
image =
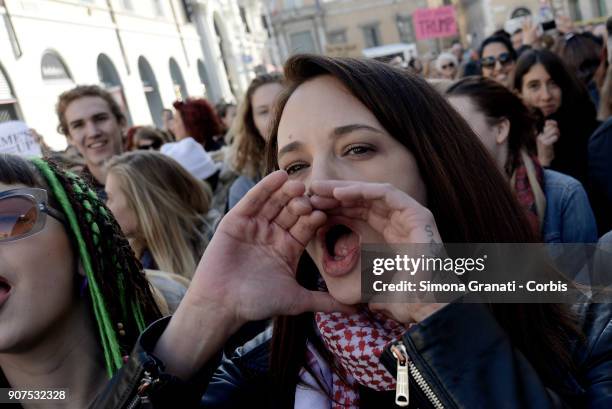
<point x="248" y="146"/>
<point x="170" y="206"/>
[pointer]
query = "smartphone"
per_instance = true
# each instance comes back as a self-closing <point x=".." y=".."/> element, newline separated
<point x="549" y="25"/>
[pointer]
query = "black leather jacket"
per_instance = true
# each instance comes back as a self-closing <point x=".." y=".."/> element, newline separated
<point x="142" y="383"/>
<point x="461" y="358"/>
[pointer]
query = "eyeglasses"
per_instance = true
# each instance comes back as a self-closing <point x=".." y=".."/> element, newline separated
<point x="449" y="65"/>
<point x="23" y="213"/>
<point x="489" y="62"/>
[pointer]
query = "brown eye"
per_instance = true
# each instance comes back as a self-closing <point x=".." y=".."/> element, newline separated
<point x="358" y="150"/>
<point x="295" y="168"/>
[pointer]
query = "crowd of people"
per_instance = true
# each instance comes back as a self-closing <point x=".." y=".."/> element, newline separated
<point x="214" y="263"/>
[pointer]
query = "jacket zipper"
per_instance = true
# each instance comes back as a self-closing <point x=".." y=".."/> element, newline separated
<point x="404" y="368"/>
<point x="133" y="402"/>
<point x="140" y="398"/>
<point x="402" y="390"/>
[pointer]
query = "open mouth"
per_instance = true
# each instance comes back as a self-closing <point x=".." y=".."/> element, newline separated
<point x="341" y="246"/>
<point x="97" y="145"/>
<point x="5" y="289"/>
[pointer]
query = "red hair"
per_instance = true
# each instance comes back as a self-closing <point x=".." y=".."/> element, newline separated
<point x="129" y="140"/>
<point x="200" y="120"/>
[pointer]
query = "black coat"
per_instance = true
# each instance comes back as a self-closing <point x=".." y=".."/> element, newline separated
<point x="465" y="360"/>
<point x="461" y="358"/>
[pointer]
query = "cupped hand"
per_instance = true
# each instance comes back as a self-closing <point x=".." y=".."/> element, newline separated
<point x="398" y="217"/>
<point x="248" y="269"/>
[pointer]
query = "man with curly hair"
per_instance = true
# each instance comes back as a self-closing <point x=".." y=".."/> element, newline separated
<point x="93" y="123"/>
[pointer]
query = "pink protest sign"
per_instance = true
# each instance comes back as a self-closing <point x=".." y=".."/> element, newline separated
<point x="435" y="23"/>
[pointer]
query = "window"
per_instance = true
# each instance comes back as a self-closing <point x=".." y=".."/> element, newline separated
<point x="302" y="42"/>
<point x="244" y="19"/>
<point x="53" y="68"/>
<point x="405" y="28"/>
<point x="337" y="37"/>
<point x="204" y="79"/>
<point x="110" y="80"/>
<point x="292" y="4"/>
<point x="8" y="102"/>
<point x="371" y="35"/>
<point x="574" y="10"/>
<point x="151" y="91"/>
<point x="264" y="23"/>
<point x="180" y="89"/>
<point x="188" y="9"/>
<point x="600" y="8"/>
<point x="520" y="12"/>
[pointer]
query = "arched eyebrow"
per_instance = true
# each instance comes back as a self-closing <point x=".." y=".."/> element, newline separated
<point x="346" y="129"/>
<point x="337" y="132"/>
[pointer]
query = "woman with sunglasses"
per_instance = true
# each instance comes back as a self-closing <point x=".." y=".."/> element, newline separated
<point x="568" y="116"/>
<point x="556" y="205"/>
<point x="147" y="138"/>
<point x="73" y="297"/>
<point x="447" y="65"/>
<point x="498" y="59"/>
<point x="360" y="167"/>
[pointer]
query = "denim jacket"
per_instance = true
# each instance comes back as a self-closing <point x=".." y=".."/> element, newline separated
<point x="568" y="217"/>
<point x="239" y="188"/>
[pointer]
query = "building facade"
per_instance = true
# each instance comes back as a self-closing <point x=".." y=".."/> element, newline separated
<point x="147" y="53"/>
<point x="341" y="27"/>
<point x="479" y="18"/>
<point x="347" y="27"/>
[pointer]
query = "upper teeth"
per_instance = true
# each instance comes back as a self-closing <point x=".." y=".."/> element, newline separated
<point x="96" y="145"/>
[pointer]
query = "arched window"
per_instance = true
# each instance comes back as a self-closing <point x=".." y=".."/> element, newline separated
<point x="9" y="110"/>
<point x="151" y="90"/>
<point x="110" y="80"/>
<point x="53" y="68"/>
<point x="204" y="79"/>
<point x="520" y="12"/>
<point x="180" y="89"/>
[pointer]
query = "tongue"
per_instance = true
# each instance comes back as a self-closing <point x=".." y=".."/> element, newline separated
<point x="345" y="244"/>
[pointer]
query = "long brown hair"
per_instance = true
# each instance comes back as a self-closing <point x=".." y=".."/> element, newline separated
<point x="469" y="198"/>
<point x="576" y="117"/>
<point x="247" y="144"/>
<point x="497" y="103"/>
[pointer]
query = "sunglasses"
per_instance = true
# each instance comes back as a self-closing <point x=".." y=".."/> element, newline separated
<point x="146" y="144"/>
<point x="449" y="65"/>
<point x="23" y="213"/>
<point x="489" y="62"/>
<point x="155" y="145"/>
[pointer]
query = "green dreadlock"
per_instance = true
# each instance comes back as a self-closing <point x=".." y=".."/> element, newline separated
<point x="106" y="258"/>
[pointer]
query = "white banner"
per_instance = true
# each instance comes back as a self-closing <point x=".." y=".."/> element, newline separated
<point x="16" y="138"/>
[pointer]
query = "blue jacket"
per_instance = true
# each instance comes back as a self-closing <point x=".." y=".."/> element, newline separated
<point x="239" y="188"/>
<point x="568" y="217"/>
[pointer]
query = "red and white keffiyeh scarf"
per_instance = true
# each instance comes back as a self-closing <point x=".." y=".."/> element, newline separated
<point x="356" y="342"/>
